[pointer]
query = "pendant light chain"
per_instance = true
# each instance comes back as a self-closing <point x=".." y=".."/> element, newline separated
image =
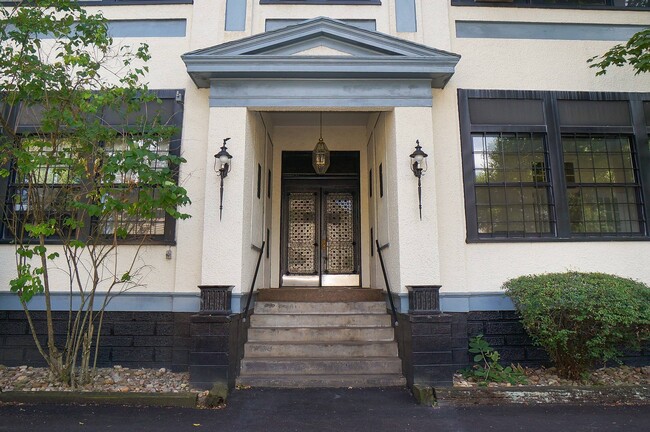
<point x="321" y="125"/>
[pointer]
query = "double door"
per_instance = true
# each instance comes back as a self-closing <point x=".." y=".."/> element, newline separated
<point x="320" y="235"/>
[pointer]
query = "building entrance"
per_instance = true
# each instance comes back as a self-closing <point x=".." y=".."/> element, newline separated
<point x="320" y="228"/>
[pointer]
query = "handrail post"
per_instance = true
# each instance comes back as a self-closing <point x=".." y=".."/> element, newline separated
<point x="390" y="294"/>
<point x="257" y="269"/>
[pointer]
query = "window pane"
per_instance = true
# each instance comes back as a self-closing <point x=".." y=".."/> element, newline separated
<point x="131" y="189"/>
<point x="126" y="148"/>
<point x="603" y="190"/>
<point x="511" y="185"/>
<point x="132" y="225"/>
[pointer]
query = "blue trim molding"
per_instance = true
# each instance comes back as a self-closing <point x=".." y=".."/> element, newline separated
<point x="141" y="28"/>
<point x="464" y="302"/>
<point x="236" y="15"/>
<point x="147" y="28"/>
<point x="471" y="302"/>
<point x="405" y="16"/>
<point x="277" y="23"/>
<point x="124" y="302"/>
<point x="320" y="93"/>
<point x="551" y="31"/>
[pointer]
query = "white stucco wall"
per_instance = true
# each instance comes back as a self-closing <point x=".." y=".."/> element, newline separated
<point x="434" y="251"/>
<point x="531" y="65"/>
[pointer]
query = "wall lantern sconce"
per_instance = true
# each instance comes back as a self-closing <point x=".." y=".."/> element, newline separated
<point x="419" y="167"/>
<point x="222" y="158"/>
<point x="320" y="156"/>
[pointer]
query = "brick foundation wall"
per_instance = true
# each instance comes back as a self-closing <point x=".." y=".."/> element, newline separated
<point x="434" y="346"/>
<point x="504" y="332"/>
<point x="129" y="339"/>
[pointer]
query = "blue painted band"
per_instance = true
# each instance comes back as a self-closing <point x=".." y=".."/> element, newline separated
<point x="464" y="302"/>
<point x="468" y="302"/>
<point x="190" y="302"/>
<point x="125" y="302"/>
<point x="320" y="93"/>
<point x="557" y="31"/>
<point x="405" y="16"/>
<point x="147" y="28"/>
<point x="236" y="15"/>
<point x="140" y="28"/>
<point x="275" y="24"/>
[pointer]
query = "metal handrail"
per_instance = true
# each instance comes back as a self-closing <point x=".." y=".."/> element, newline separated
<point x="257" y="269"/>
<point x="383" y="270"/>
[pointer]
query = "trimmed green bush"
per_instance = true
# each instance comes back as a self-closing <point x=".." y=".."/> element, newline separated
<point x="581" y="319"/>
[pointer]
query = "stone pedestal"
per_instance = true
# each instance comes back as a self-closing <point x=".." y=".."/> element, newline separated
<point x="429" y="351"/>
<point x="217" y="340"/>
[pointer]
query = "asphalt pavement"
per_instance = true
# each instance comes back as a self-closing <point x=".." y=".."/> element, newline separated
<point x="335" y="410"/>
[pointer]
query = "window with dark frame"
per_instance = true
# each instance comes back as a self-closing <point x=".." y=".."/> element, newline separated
<point x="554" y="165"/>
<point x="603" y="191"/>
<point x="565" y="4"/>
<point x="512" y="189"/>
<point x="160" y="228"/>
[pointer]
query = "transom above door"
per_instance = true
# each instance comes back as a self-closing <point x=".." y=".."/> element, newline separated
<point x="320" y="232"/>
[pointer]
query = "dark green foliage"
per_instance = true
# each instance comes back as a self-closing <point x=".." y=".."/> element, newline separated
<point x="80" y="181"/>
<point x="636" y="52"/>
<point x="581" y="319"/>
<point x="487" y="368"/>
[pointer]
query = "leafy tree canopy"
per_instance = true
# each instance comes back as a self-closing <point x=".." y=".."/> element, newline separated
<point x="636" y="52"/>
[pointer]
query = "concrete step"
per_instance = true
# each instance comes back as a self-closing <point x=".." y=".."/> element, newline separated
<point x="320" y="366"/>
<point x="308" y="308"/>
<point x="312" y="350"/>
<point x="322" y="320"/>
<point x="304" y="381"/>
<point x="320" y="334"/>
<point x="320" y="294"/>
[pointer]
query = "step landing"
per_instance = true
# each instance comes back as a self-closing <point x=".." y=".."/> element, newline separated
<point x="320" y="294"/>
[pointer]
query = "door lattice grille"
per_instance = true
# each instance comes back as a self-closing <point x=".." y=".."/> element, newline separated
<point x="302" y="234"/>
<point x="340" y="233"/>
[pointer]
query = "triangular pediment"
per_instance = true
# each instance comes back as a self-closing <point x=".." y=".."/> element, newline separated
<point x="320" y="48"/>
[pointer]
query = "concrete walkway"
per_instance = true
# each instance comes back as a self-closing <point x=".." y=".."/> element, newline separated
<point x="336" y="410"/>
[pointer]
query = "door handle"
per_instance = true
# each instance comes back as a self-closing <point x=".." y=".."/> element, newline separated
<point x="324" y="246"/>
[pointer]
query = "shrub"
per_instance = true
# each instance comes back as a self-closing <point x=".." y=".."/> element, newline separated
<point x="582" y="318"/>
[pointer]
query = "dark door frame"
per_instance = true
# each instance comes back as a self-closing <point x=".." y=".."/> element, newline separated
<point x="321" y="185"/>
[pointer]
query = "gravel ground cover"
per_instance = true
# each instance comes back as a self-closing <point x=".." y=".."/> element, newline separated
<point x="120" y="379"/>
<point x="115" y="379"/>
<point x="610" y="376"/>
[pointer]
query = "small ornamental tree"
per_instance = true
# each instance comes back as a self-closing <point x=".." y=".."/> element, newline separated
<point x="581" y="319"/>
<point x="80" y="186"/>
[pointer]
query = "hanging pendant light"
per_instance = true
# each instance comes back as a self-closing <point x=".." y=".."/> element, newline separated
<point x="320" y="156"/>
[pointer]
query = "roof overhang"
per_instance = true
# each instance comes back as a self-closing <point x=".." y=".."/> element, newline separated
<point x="277" y="54"/>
